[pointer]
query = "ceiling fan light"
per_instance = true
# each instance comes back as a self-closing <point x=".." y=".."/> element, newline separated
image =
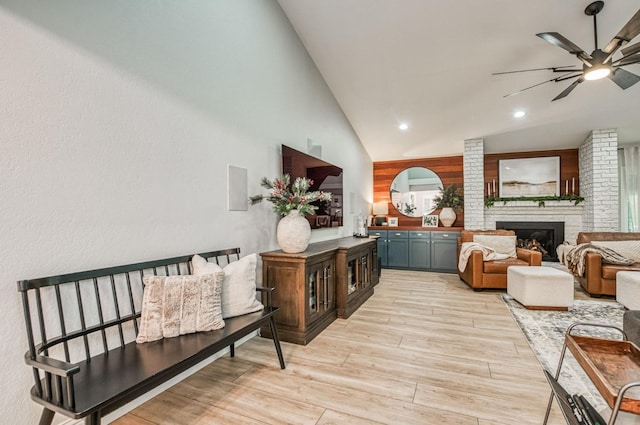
<point x="597" y="72"/>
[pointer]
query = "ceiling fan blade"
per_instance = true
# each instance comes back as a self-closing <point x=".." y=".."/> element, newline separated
<point x="561" y="78"/>
<point x="553" y="68"/>
<point x="561" y="41"/>
<point x="628" y="60"/>
<point x="634" y="48"/>
<point x="623" y="78"/>
<point x="568" y="90"/>
<point x="630" y="30"/>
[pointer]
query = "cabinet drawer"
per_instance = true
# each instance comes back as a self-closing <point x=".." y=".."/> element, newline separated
<point x="417" y="234"/>
<point x="397" y="234"/>
<point x="443" y="236"/>
<point x="381" y="233"/>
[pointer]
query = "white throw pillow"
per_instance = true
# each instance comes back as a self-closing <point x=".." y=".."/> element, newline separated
<point x="500" y="243"/>
<point x="628" y="249"/>
<point x="238" y="286"/>
<point x="179" y="305"/>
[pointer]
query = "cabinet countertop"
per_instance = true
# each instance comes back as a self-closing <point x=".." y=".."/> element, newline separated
<point x="323" y="247"/>
<point x="424" y="229"/>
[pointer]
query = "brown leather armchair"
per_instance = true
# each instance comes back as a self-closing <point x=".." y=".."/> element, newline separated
<point x="600" y="279"/>
<point x="492" y="274"/>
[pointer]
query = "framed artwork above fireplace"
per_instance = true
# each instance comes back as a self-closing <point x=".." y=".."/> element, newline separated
<point x="525" y="177"/>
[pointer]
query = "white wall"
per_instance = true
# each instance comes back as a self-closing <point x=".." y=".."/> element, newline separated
<point x="117" y="122"/>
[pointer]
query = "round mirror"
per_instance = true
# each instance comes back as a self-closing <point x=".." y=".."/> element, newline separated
<point x="413" y="190"/>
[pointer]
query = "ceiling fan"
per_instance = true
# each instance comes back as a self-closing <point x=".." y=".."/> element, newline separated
<point x="597" y="64"/>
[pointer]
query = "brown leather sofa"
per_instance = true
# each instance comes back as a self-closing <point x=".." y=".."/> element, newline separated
<point x="492" y="274"/>
<point x="600" y="279"/>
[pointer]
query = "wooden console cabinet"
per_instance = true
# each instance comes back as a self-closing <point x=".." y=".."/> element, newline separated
<point x="330" y="279"/>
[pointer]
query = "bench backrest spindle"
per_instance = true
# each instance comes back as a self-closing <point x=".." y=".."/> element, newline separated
<point x="63" y="331"/>
<point x="83" y="324"/>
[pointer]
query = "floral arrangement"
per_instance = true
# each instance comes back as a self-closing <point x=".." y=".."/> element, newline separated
<point x="287" y="197"/>
<point x="576" y="199"/>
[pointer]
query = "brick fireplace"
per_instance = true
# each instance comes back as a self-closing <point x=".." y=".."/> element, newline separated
<point x="528" y="211"/>
<point x="596" y="170"/>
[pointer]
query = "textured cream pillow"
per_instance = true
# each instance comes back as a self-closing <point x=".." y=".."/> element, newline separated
<point x="500" y="243"/>
<point x="178" y="305"/>
<point x="628" y="249"/>
<point x="238" y="287"/>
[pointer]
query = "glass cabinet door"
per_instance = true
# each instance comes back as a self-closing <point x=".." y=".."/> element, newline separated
<point x="365" y="272"/>
<point x="320" y="289"/>
<point x="313" y="286"/>
<point x="352" y="276"/>
<point x="328" y="290"/>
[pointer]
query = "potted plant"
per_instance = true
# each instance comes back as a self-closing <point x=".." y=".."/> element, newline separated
<point x="449" y="201"/>
<point x="292" y="201"/>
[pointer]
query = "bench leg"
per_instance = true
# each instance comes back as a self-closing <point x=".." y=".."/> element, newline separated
<point x="47" y="416"/>
<point x="232" y="349"/>
<point x="93" y="419"/>
<point x="276" y="340"/>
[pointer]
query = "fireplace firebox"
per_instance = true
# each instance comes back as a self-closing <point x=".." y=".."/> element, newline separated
<point x="543" y="236"/>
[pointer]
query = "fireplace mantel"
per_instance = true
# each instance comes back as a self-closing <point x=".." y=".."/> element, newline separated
<point x="529" y="210"/>
<point x="535" y="204"/>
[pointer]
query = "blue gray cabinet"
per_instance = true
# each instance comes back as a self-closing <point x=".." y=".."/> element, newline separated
<point x="417" y="249"/>
<point x="393" y="247"/>
<point x="382" y="245"/>
<point x="443" y="251"/>
<point x="397" y="248"/>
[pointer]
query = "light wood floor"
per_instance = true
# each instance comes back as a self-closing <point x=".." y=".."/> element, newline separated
<point x="425" y="349"/>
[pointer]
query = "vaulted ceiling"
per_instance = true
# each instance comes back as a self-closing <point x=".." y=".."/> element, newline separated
<point x="429" y="63"/>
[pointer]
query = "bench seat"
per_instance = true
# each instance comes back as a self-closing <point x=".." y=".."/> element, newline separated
<point x="141" y="367"/>
<point x="84" y="370"/>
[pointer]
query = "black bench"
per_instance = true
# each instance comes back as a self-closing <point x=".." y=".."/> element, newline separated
<point x="93" y="365"/>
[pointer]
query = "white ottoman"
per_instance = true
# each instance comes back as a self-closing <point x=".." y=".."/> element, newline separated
<point x="628" y="289"/>
<point x="543" y="288"/>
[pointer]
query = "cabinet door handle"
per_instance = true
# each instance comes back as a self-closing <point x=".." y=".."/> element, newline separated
<point x="398" y="234"/>
<point x="419" y="234"/>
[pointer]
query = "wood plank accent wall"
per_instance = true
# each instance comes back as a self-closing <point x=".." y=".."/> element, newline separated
<point x="569" y="168"/>
<point x="449" y="169"/>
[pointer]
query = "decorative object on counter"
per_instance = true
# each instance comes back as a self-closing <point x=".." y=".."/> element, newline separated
<point x="393" y="221"/>
<point x="449" y="200"/>
<point x="576" y="199"/>
<point x="360" y="226"/>
<point x="293" y="232"/>
<point x="292" y="201"/>
<point x="429" y="220"/>
<point x="380" y="209"/>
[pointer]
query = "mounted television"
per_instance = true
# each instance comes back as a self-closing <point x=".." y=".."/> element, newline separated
<point x="325" y="176"/>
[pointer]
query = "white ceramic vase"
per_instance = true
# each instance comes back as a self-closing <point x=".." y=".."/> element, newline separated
<point x="293" y="232"/>
<point x="447" y="216"/>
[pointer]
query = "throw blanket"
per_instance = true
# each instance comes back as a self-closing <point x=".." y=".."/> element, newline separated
<point x="488" y="254"/>
<point x="563" y="250"/>
<point x="574" y="259"/>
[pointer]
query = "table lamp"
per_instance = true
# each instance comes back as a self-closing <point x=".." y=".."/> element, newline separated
<point x="380" y="209"/>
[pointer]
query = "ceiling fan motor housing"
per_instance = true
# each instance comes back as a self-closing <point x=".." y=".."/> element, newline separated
<point x="597" y="68"/>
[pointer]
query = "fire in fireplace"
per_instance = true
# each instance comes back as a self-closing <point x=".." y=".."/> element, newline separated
<point x="543" y="236"/>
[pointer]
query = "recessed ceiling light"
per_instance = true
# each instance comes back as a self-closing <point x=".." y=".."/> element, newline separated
<point x="518" y="114"/>
<point x="403" y="126"/>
